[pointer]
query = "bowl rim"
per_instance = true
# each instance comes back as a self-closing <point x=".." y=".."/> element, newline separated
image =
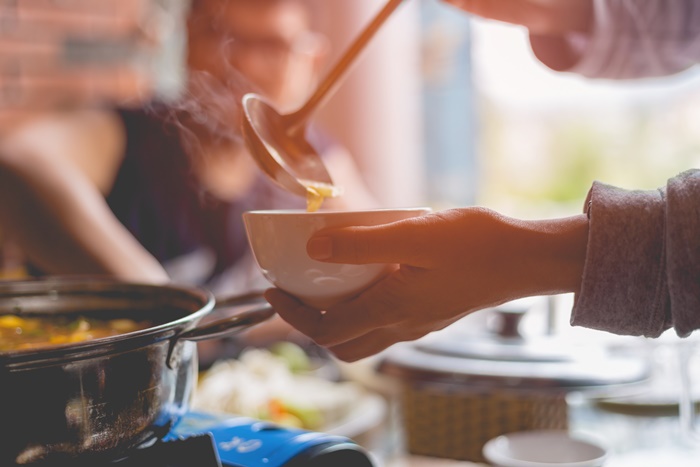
<point x="85" y="289"/>
<point x="321" y="212"/>
<point x="493" y="453"/>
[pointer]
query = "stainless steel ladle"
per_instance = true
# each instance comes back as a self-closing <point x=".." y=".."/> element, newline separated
<point x="278" y="142"/>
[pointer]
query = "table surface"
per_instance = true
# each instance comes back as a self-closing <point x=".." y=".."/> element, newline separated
<point x="417" y="461"/>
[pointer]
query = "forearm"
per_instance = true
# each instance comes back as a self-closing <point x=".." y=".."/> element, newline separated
<point x="63" y="224"/>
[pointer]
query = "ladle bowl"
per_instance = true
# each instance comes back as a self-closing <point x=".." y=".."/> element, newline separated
<point x="278" y="142"/>
<point x="286" y="157"/>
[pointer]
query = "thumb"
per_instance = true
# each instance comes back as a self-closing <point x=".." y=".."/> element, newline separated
<point x="389" y="243"/>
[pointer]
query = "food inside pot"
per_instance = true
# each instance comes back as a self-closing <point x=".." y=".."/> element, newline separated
<point x="21" y="333"/>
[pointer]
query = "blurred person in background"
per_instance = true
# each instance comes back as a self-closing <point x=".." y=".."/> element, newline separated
<point x="632" y="259"/>
<point x="155" y="193"/>
<point x="54" y="59"/>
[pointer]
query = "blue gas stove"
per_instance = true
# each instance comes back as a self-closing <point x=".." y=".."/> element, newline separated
<point x="206" y="440"/>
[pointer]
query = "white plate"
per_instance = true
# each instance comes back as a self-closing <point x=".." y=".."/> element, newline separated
<point x="543" y="449"/>
<point x="370" y="412"/>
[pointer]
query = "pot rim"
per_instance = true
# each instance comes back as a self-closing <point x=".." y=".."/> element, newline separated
<point x="55" y="286"/>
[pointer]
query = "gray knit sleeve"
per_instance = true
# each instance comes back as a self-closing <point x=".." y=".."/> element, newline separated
<point x="642" y="271"/>
<point x="639" y="39"/>
<point x="683" y="250"/>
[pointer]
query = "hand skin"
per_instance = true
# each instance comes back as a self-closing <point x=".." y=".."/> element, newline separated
<point x="548" y="22"/>
<point x="450" y="263"/>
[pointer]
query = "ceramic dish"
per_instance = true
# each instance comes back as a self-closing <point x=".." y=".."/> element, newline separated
<point x="543" y="449"/>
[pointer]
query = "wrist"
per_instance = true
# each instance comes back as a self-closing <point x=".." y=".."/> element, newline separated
<point x="549" y="255"/>
<point x="558" y="53"/>
<point x="561" y="44"/>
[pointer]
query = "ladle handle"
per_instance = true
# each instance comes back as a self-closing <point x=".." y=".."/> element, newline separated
<point x="299" y="118"/>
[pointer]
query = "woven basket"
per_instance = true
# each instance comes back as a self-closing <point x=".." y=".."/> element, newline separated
<point x="455" y="422"/>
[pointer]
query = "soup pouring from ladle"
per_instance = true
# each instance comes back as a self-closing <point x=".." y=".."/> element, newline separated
<point x="278" y="142"/>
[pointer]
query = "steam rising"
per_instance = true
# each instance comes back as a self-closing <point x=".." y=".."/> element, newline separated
<point x="209" y="110"/>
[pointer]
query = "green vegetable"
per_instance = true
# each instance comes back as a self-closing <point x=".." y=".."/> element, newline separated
<point x="311" y="418"/>
<point x="294" y="356"/>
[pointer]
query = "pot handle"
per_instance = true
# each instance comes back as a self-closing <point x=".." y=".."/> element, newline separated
<point x="234" y="324"/>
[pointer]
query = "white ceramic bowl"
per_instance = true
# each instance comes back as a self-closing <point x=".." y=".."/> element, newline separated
<point x="544" y="448"/>
<point x="278" y="240"/>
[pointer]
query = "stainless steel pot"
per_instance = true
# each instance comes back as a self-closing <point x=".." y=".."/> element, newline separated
<point x="98" y="399"/>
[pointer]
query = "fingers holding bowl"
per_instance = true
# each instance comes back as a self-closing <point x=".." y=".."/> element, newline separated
<point x="279" y="240"/>
<point x="326" y="328"/>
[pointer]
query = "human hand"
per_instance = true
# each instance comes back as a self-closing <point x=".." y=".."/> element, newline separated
<point x="541" y="17"/>
<point x="451" y="263"/>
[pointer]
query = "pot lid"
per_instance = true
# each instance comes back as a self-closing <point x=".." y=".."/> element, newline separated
<point x="505" y="358"/>
<point x="545" y="349"/>
<point x="411" y="362"/>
